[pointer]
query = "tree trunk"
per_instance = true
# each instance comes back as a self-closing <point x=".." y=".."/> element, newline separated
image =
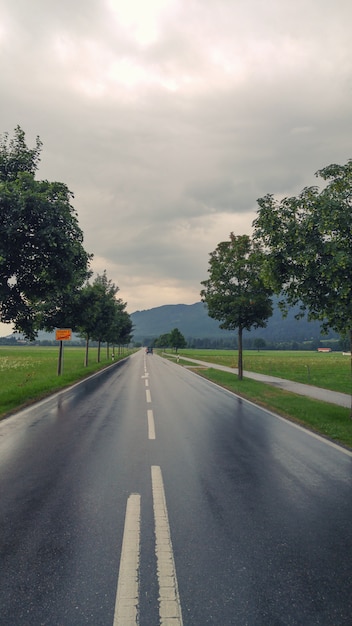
<point x="240" y="354"/>
<point x="86" y="354"/>
<point x="99" y="343"/>
<point x="351" y="370"/>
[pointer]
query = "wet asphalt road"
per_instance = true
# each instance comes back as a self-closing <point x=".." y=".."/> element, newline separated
<point x="260" y="512"/>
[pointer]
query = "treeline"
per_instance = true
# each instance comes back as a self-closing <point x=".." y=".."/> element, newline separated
<point x="261" y="344"/>
<point x="44" y="269"/>
<point x="231" y="343"/>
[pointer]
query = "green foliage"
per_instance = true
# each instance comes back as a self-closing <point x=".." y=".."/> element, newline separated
<point x="321" y="370"/>
<point x="119" y="332"/>
<point x="16" y="157"/>
<point x="99" y="315"/>
<point x="173" y="339"/>
<point x="309" y="244"/>
<point x="235" y="292"/>
<point x="177" y="340"/>
<point x="105" y="292"/>
<point x="42" y="259"/>
<point x="163" y="341"/>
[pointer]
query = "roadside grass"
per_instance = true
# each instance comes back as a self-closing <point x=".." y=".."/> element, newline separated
<point x="28" y="374"/>
<point x="327" y="370"/>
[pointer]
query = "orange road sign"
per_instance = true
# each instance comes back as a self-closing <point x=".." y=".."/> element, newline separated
<point x="63" y="334"/>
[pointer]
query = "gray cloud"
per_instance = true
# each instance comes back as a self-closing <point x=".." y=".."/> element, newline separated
<point x="168" y="119"/>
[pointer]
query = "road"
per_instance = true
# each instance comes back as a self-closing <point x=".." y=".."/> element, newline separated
<point x="147" y="495"/>
<point x="302" y="389"/>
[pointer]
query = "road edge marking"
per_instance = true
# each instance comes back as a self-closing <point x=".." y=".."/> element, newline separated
<point x="337" y="446"/>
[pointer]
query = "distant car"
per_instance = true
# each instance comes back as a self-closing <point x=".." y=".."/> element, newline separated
<point x="149" y="350"/>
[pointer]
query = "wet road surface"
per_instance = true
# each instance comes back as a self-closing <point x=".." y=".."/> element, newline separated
<point x="147" y="495"/>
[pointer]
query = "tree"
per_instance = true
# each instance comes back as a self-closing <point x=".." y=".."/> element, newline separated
<point x="177" y="340"/>
<point x="16" y="157"/>
<point x="235" y="292"/>
<point x="309" y="244"/>
<point x="119" y="333"/>
<point x="100" y="316"/>
<point x="42" y="259"/>
<point x="163" y="341"/>
<point x="106" y="310"/>
<point x="86" y="313"/>
<point x="259" y="343"/>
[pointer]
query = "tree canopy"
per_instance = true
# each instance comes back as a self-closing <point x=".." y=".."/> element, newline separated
<point x="177" y="340"/>
<point x="42" y="258"/>
<point x="235" y="292"/>
<point x="308" y="239"/>
<point x="174" y="339"/>
<point x="16" y="157"/>
<point x="99" y="315"/>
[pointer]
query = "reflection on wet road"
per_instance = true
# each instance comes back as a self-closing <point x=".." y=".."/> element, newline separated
<point x="147" y="495"/>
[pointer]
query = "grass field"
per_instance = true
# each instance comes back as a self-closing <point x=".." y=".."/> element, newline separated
<point x="330" y="370"/>
<point x="30" y="373"/>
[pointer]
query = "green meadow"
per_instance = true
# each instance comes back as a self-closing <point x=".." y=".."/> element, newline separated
<point x="28" y="374"/>
<point x="331" y="370"/>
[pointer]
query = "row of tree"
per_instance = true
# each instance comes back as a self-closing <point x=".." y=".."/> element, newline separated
<point x="44" y="269"/>
<point x="98" y="315"/>
<point x="301" y="248"/>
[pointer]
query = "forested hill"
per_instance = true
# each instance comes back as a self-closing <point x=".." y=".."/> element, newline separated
<point x="194" y="323"/>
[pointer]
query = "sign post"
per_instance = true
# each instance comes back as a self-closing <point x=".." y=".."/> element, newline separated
<point x="61" y="335"/>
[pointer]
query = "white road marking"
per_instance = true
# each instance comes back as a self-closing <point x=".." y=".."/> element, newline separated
<point x="169" y="599"/>
<point x="148" y="396"/>
<point x="146" y="382"/>
<point x="126" y="606"/>
<point x="151" y="424"/>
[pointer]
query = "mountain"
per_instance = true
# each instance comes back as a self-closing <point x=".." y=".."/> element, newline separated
<point x="193" y="321"/>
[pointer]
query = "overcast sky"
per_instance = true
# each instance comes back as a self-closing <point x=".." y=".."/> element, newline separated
<point x="169" y="118"/>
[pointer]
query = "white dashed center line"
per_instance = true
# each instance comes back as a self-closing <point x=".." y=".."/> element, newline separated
<point x="126" y="606"/>
<point x="127" y="597"/>
<point x="151" y="425"/>
<point x="169" y="599"/>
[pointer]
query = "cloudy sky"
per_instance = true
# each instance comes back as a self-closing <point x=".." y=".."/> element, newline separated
<point x="169" y="118"/>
